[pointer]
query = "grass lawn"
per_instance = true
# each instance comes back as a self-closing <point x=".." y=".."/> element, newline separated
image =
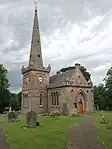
<point x="52" y="134"/>
<point x="104" y="133"/>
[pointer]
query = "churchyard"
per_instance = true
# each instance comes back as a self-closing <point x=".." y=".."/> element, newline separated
<point x="104" y="130"/>
<point x="52" y="133"/>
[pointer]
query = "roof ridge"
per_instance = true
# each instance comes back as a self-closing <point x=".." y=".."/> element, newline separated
<point x="62" y="72"/>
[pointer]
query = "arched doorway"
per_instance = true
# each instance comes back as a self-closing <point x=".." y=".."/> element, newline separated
<point x="81" y="106"/>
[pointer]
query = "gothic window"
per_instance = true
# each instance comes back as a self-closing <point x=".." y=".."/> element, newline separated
<point x="41" y="101"/>
<point x="52" y="98"/>
<point x="75" y="105"/>
<point x="57" y="99"/>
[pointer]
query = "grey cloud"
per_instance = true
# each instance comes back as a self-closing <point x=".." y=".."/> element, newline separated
<point x="79" y="10"/>
<point x="17" y="16"/>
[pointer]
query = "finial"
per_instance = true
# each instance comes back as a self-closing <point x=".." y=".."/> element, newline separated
<point x="35" y="5"/>
<point x="49" y="67"/>
<point x="77" y="66"/>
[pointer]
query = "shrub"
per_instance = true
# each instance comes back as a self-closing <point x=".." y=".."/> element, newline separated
<point x="45" y="114"/>
<point x="54" y="114"/>
<point x="104" y="120"/>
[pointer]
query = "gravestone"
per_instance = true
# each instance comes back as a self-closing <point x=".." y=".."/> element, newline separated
<point x="65" y="110"/>
<point x="12" y="116"/>
<point x="31" y="119"/>
<point x="10" y="109"/>
<point x="16" y="114"/>
<point x="97" y="107"/>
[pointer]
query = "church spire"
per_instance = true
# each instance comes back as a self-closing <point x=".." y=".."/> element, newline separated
<point x="35" y="59"/>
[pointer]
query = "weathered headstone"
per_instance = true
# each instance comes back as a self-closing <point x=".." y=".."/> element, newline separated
<point x="16" y="114"/>
<point x="12" y="116"/>
<point x="97" y="107"/>
<point x="9" y="109"/>
<point x="31" y="119"/>
<point x="65" y="110"/>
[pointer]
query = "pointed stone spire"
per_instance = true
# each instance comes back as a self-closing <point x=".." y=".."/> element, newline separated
<point x="35" y="59"/>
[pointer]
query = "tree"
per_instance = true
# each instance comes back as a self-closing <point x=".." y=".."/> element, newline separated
<point x="103" y="93"/>
<point x="108" y="86"/>
<point x="19" y="99"/>
<point x="85" y="73"/>
<point x="83" y="70"/>
<point x="108" y="79"/>
<point x="4" y="91"/>
<point x="100" y="96"/>
<point x="15" y="101"/>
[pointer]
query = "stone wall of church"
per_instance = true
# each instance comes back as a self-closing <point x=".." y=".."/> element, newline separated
<point x="69" y="95"/>
<point x="36" y="90"/>
<point x="62" y="98"/>
<point x="73" y="93"/>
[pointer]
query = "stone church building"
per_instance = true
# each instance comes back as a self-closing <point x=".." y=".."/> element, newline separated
<point x="44" y="93"/>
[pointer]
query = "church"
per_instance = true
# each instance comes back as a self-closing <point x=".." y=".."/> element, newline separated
<point x="44" y="93"/>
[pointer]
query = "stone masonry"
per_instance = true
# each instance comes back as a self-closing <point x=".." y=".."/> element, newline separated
<point x="43" y="93"/>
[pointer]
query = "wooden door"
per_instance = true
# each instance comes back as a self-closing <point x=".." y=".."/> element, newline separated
<point x="80" y="107"/>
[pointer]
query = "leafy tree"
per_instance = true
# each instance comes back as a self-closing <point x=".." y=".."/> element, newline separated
<point x="4" y="83"/>
<point x="15" y="101"/>
<point x="108" y="86"/>
<point x="83" y="70"/>
<point x="103" y="93"/>
<point x="4" y="91"/>
<point x="19" y="99"/>
<point x="65" y="69"/>
<point x="85" y="73"/>
<point x="108" y="79"/>
<point x="100" y="96"/>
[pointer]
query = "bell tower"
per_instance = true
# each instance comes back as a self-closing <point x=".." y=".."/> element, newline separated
<point x="35" y="76"/>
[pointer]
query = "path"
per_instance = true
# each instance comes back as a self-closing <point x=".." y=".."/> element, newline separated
<point x="3" y="144"/>
<point x="84" y="136"/>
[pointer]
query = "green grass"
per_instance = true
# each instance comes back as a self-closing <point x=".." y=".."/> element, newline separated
<point x="104" y="133"/>
<point x="52" y="134"/>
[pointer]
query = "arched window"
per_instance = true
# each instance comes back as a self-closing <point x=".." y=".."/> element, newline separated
<point x="75" y="104"/>
<point x="41" y="101"/>
<point x="54" y="98"/>
<point x="57" y="99"/>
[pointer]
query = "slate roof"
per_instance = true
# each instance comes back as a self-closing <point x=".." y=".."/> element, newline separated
<point x="62" y="77"/>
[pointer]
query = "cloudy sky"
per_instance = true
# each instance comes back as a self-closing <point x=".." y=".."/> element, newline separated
<point x="71" y="31"/>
